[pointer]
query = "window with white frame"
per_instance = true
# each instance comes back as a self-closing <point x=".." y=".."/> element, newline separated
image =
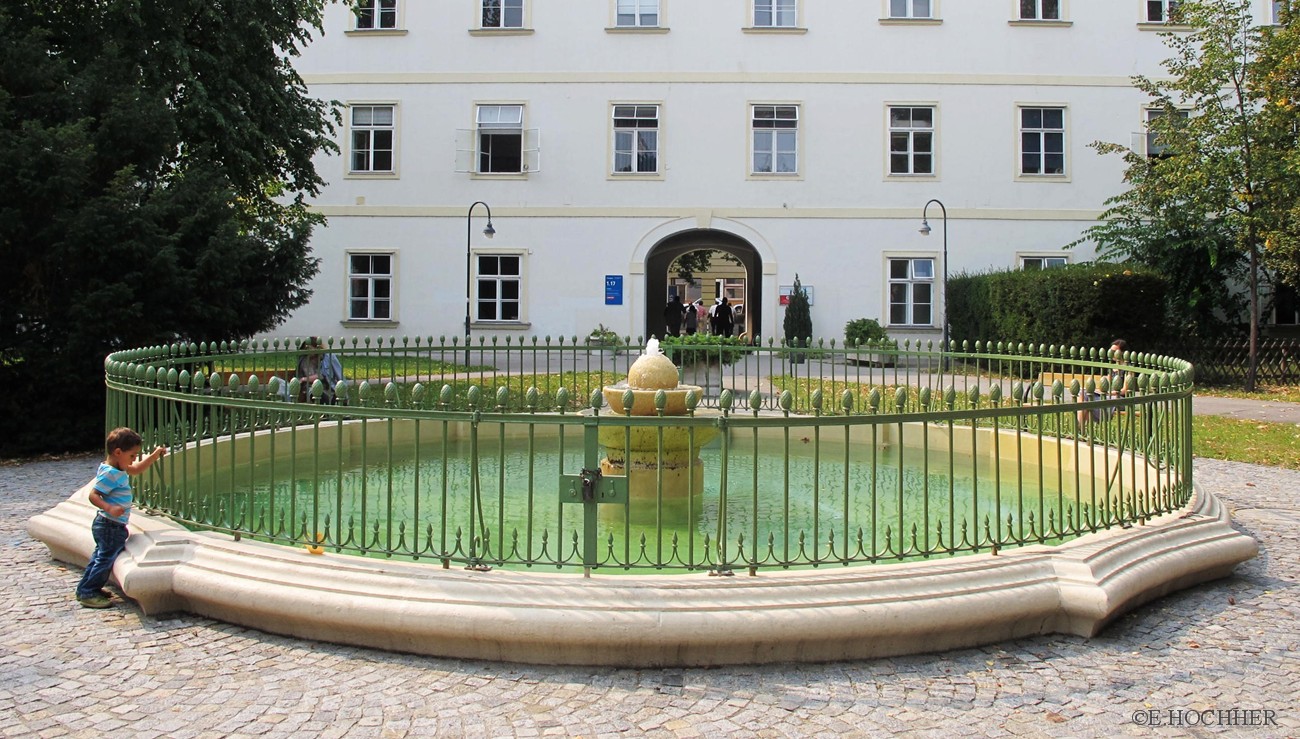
<point x="911" y="291"/>
<point x="1155" y="148"/>
<point x="637" y="13"/>
<point x="776" y="13"/>
<point x="776" y="139"/>
<point x="1042" y="141"/>
<point x="1042" y="262"/>
<point x="636" y="139"/>
<point x="1161" y="11"/>
<point x="500" y="138"/>
<point x="911" y="9"/>
<point x="498" y="281"/>
<point x="1276" y="17"/>
<point x="503" y="13"/>
<point x="370" y="287"/>
<point x="373" y="129"/>
<point x="1040" y="10"/>
<point x="911" y="140"/>
<point x="375" y="15"/>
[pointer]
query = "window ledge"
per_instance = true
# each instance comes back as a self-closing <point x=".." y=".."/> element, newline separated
<point x="376" y="32"/>
<point x="1171" y="27"/>
<point x="775" y="176"/>
<point x="898" y="177"/>
<point x="371" y="176"/>
<point x="500" y="326"/>
<point x="637" y="29"/>
<point x="1024" y="23"/>
<point x="1045" y="178"/>
<point x="499" y="175"/>
<point x="653" y="177"/>
<point x="775" y="30"/>
<point x="911" y="21"/>
<point x="500" y="31"/>
<point x="366" y="323"/>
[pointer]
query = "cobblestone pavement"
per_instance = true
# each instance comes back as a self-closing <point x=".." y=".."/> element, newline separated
<point x="1232" y="644"/>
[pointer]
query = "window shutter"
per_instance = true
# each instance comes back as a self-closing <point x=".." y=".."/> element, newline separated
<point x="465" y="150"/>
<point x="532" y="150"/>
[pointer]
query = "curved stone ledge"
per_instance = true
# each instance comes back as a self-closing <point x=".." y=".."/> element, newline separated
<point x="687" y="620"/>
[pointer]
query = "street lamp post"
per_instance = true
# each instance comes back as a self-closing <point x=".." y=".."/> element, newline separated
<point x="469" y="233"/>
<point x="925" y="231"/>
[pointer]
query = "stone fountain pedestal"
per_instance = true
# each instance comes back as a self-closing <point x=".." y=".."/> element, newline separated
<point x="655" y="459"/>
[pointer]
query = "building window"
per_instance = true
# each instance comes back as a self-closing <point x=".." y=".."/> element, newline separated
<point x="636" y="139"/>
<point x="1042" y="141"/>
<point x="911" y="292"/>
<point x="1277" y="13"/>
<point x="1155" y="148"/>
<point x="500" y="138"/>
<point x="503" y="13"/>
<point x="776" y="139"/>
<point x="498" y="280"/>
<point x="1040" y="10"/>
<point x="911" y="9"/>
<point x="376" y="15"/>
<point x="1286" y="306"/>
<point x="370" y="287"/>
<point x="911" y="141"/>
<point x="1162" y="11"/>
<point x="373" y="131"/>
<point x="637" y="13"/>
<point x="775" y="13"/>
<point x="1034" y="263"/>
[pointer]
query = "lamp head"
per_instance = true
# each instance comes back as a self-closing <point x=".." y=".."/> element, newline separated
<point x="925" y="227"/>
<point x="489" y="231"/>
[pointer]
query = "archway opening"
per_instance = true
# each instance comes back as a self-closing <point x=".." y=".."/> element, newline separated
<point x="734" y="269"/>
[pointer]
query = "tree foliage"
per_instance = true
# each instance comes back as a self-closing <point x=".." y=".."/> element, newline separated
<point x="157" y="157"/>
<point x="798" y="318"/>
<point x="1216" y="205"/>
<point x="690" y="265"/>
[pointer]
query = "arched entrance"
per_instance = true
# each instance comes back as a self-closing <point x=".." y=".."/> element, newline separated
<point x="663" y="254"/>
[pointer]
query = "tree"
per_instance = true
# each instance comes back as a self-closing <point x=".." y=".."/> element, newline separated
<point x="157" y="158"/>
<point x="1219" y="190"/>
<point x="693" y="263"/>
<point x="798" y="319"/>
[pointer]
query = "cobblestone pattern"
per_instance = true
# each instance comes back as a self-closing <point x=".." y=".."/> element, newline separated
<point x="69" y="671"/>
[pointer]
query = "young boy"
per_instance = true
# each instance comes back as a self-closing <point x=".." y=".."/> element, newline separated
<point x="112" y="496"/>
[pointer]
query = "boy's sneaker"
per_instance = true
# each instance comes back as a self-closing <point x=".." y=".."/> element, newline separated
<point x="95" y="601"/>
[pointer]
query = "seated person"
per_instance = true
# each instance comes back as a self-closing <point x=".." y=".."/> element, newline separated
<point x="318" y="365"/>
<point x="1117" y="379"/>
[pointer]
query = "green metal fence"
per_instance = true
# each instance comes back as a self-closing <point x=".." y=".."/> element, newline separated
<point x="807" y="456"/>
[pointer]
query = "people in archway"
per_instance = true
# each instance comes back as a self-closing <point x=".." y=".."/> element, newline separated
<point x="692" y="321"/>
<point x="702" y="315"/>
<point x="674" y="312"/>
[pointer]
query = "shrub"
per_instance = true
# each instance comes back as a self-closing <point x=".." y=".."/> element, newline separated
<point x="861" y="331"/>
<point x="686" y="351"/>
<point x="1082" y="305"/>
<point x="798" y="320"/>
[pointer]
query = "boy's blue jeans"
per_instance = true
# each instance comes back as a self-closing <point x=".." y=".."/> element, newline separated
<point x="110" y="540"/>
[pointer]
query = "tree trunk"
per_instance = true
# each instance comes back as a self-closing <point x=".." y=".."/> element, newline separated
<point x="1252" y="367"/>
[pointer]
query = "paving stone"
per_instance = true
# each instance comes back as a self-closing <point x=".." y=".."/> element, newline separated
<point x="68" y="671"/>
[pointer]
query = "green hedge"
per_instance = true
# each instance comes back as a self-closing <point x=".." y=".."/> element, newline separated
<point x="1078" y="305"/>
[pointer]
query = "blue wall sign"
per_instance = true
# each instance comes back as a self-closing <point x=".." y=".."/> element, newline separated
<point x="613" y="289"/>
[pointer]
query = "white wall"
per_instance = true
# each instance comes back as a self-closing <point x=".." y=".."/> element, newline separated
<point x="832" y="224"/>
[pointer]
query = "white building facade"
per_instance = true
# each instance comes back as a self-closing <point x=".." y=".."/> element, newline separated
<point x="607" y="137"/>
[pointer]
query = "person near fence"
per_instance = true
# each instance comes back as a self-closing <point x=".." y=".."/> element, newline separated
<point x="111" y="494"/>
<point x="723" y="320"/>
<point x="692" y="321"/>
<point x="673" y="314"/>
<point x="1116" y="380"/>
<point x="317" y="364"/>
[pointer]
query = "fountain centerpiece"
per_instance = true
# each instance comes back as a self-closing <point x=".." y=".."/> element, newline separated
<point x="638" y="452"/>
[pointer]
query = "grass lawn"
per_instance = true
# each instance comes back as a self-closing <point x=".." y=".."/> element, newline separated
<point x="1256" y="442"/>
<point x="1288" y="393"/>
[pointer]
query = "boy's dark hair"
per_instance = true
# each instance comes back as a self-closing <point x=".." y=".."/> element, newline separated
<point x="121" y="438"/>
<point x="1122" y="344"/>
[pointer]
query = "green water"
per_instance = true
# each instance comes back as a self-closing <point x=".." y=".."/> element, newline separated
<point x="780" y="509"/>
